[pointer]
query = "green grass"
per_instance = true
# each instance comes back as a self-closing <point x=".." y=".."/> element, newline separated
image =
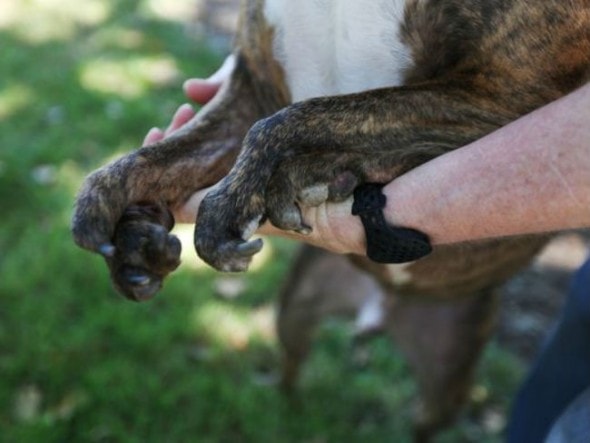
<point x="81" y="82"/>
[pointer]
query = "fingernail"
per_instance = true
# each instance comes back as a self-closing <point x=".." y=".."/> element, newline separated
<point x="153" y="135"/>
<point x="187" y="83"/>
<point x="153" y="132"/>
<point x="185" y="107"/>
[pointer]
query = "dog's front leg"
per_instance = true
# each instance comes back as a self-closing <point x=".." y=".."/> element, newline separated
<point x="322" y="148"/>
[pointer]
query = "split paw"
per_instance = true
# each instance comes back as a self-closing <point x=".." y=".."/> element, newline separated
<point x="227" y="219"/>
<point x="144" y="252"/>
<point x="222" y="237"/>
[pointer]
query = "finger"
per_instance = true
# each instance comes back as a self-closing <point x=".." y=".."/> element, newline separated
<point x="154" y="135"/>
<point x="182" y="115"/>
<point x="203" y="90"/>
<point x="200" y="90"/>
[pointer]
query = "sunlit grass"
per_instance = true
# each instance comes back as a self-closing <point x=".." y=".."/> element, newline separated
<point x="233" y="328"/>
<point x="172" y="9"/>
<point x="130" y="77"/>
<point x="15" y="98"/>
<point x="119" y="37"/>
<point x="37" y="21"/>
<point x="69" y="175"/>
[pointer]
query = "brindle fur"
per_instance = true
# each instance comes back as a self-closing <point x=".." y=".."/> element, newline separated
<point x="479" y="64"/>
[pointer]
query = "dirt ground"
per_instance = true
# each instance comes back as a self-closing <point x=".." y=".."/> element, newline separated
<point x="531" y="301"/>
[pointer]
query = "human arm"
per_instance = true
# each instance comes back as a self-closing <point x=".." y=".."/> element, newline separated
<point x="531" y="176"/>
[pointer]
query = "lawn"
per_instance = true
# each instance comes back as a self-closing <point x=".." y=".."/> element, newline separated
<point x="80" y="83"/>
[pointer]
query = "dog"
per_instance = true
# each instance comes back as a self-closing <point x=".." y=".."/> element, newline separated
<point x="365" y="90"/>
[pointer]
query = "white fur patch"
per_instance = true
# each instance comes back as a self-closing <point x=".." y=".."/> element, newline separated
<point x="330" y="47"/>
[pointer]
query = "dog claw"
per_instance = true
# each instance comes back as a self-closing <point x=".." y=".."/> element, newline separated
<point x="137" y="284"/>
<point x="304" y="230"/>
<point x="250" y="248"/>
<point x="139" y="280"/>
<point x="106" y="250"/>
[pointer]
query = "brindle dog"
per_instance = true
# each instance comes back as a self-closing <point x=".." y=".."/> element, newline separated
<point x="326" y="95"/>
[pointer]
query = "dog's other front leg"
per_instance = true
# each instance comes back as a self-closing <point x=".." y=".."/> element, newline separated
<point x="123" y="209"/>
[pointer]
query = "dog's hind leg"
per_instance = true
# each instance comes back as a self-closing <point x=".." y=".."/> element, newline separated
<point x="320" y="285"/>
<point x="442" y="342"/>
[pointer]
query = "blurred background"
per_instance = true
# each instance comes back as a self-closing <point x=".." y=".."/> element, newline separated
<point x="81" y="83"/>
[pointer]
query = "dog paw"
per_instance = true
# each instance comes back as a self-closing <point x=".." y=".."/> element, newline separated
<point x="144" y="251"/>
<point x="223" y="231"/>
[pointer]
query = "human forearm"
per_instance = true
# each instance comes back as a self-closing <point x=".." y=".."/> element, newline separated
<point x="530" y="176"/>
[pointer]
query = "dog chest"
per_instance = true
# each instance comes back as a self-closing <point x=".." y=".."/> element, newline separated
<point x="330" y="47"/>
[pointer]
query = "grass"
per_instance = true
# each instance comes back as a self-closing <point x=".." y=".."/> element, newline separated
<point x="79" y="84"/>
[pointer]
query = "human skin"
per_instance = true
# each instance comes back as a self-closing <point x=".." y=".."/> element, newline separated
<point x="530" y="176"/>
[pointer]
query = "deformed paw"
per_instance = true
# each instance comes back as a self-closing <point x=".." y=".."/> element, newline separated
<point x="144" y="253"/>
<point x="222" y="236"/>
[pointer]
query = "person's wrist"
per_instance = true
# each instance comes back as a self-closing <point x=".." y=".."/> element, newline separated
<point x="395" y="211"/>
<point x="404" y="208"/>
